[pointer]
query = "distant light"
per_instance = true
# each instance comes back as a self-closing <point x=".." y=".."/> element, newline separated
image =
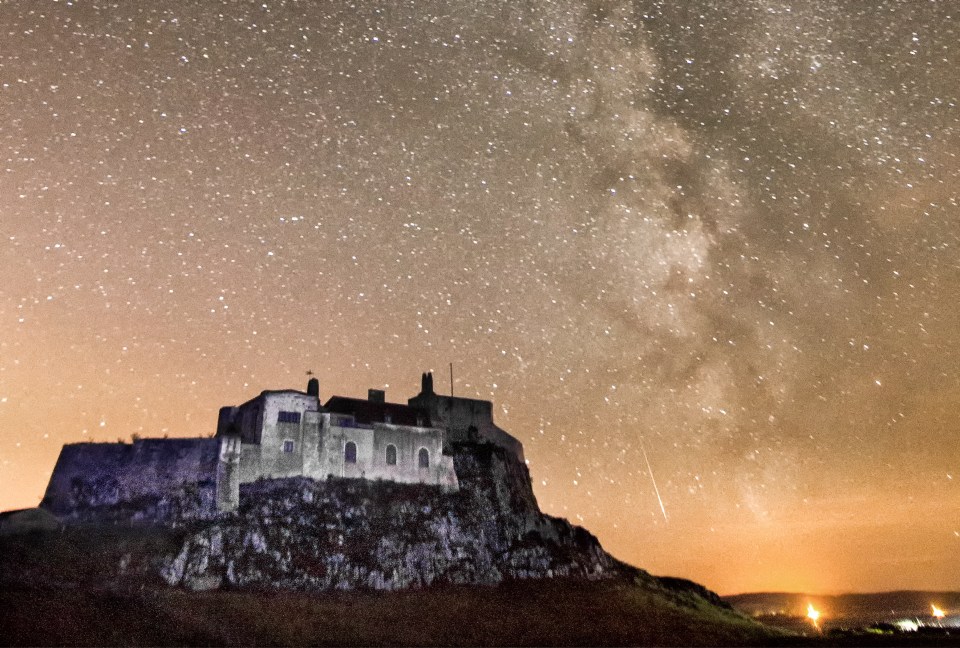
<point x="937" y="612"/>
<point x="907" y="625"/>
<point x="814" y="615"/>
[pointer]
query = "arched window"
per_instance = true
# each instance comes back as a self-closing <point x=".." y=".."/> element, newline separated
<point x="350" y="453"/>
<point x="423" y="458"/>
<point x="391" y="455"/>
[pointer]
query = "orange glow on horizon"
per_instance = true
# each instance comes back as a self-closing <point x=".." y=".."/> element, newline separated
<point x="937" y="612"/>
<point x="814" y="615"/>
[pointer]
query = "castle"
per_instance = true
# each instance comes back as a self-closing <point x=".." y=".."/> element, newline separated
<point x="285" y="433"/>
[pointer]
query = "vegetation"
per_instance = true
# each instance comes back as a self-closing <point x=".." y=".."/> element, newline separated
<point x="521" y="613"/>
<point x="86" y="586"/>
<point x="55" y="590"/>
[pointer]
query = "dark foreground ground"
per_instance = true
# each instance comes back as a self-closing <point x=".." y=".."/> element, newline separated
<point x="545" y="613"/>
<point x="63" y="588"/>
<point x="554" y="613"/>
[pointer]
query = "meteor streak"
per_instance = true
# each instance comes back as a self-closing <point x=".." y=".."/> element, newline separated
<point x="652" y="479"/>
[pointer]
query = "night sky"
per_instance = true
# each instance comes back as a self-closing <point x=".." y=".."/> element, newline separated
<point x="705" y="244"/>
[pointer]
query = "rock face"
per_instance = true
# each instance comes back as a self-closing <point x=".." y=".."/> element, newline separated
<point x="349" y="534"/>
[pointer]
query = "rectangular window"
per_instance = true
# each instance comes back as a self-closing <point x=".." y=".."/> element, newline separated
<point x="288" y="446"/>
<point x="288" y="417"/>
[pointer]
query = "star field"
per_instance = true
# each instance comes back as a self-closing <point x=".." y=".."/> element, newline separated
<point x="726" y="235"/>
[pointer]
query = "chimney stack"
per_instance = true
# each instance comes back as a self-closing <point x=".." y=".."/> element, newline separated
<point x="426" y="383"/>
<point x="313" y="387"/>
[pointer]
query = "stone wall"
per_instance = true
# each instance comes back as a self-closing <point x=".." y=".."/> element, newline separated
<point x="466" y="419"/>
<point x="90" y="476"/>
<point x="278" y="434"/>
<point x="372" y="441"/>
<point x="257" y="424"/>
<point x="338" y="430"/>
<point x="409" y="441"/>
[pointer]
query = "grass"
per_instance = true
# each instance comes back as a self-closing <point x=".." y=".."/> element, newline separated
<point x="65" y="589"/>
<point x="532" y="613"/>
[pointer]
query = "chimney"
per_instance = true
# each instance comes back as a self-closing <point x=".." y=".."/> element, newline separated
<point x="426" y="383"/>
<point x="313" y="387"/>
<point x="376" y="396"/>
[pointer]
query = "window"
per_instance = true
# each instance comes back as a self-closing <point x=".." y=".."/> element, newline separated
<point x="288" y="446"/>
<point x="423" y="458"/>
<point x="288" y="417"/>
<point x="350" y="453"/>
<point x="391" y="455"/>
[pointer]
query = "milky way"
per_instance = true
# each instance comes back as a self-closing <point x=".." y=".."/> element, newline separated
<point x="725" y="232"/>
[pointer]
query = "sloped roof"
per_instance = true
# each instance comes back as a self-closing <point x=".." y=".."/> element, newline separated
<point x="366" y="411"/>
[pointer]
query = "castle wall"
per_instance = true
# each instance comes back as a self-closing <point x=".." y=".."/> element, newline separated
<point x="372" y="441"/>
<point x="338" y="431"/>
<point x="97" y="474"/>
<point x="311" y="434"/>
<point x="278" y="434"/>
<point x="271" y="432"/>
<point x="466" y="419"/>
<point x="263" y="452"/>
<point x="457" y="414"/>
<point x="274" y="460"/>
<point x="408" y="441"/>
<point x="250" y="463"/>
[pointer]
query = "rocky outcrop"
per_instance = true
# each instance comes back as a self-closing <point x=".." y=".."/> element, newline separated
<point x="350" y="534"/>
<point x="105" y="499"/>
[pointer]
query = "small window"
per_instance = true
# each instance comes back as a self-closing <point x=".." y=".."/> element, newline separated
<point x="350" y="453"/>
<point x="391" y="455"/>
<point x="288" y="446"/>
<point x="423" y="458"/>
<point x="288" y="417"/>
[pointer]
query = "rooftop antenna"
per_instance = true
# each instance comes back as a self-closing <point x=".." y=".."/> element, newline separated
<point x="451" y="380"/>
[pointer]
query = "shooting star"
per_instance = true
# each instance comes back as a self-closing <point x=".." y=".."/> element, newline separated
<point x="652" y="479"/>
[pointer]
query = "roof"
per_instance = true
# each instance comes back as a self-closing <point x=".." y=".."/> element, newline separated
<point x="366" y="411"/>
<point x="268" y="392"/>
<point x="429" y="395"/>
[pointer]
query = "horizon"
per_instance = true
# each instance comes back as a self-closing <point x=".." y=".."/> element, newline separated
<point x="701" y="258"/>
<point x="837" y="595"/>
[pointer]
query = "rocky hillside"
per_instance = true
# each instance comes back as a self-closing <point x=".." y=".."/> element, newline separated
<point x="346" y="534"/>
<point x="313" y="558"/>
